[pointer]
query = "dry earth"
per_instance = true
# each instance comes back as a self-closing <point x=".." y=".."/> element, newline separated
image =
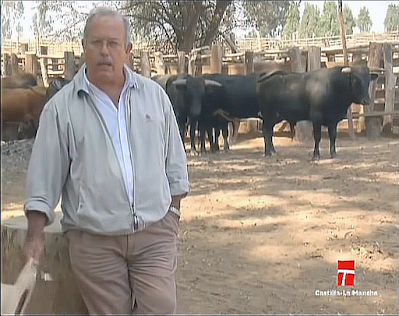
<point x="262" y="235"/>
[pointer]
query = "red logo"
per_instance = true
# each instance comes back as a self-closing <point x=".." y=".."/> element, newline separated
<point x="346" y="273"/>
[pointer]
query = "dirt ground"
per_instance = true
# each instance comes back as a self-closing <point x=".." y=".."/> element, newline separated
<point x="263" y="235"/>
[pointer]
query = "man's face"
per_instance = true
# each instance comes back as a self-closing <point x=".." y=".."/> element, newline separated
<point x="105" y="49"/>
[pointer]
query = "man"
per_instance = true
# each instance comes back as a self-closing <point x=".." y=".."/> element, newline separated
<point x="108" y="142"/>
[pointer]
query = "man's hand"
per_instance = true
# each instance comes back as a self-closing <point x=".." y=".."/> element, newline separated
<point x="34" y="243"/>
<point x="176" y="200"/>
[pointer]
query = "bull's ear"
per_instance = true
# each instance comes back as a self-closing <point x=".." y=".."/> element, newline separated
<point x="373" y="77"/>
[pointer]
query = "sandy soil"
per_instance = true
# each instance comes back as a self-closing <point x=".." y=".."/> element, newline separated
<point x="263" y="235"/>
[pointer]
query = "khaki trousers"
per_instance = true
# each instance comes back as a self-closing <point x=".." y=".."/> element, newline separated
<point x="125" y="274"/>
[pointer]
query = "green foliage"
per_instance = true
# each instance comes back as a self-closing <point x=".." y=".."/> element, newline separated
<point x="180" y="24"/>
<point x="309" y="26"/>
<point x="268" y="17"/>
<point x="349" y="20"/>
<point x="391" y="22"/>
<point x="329" y="25"/>
<point x="11" y="18"/>
<point x="363" y="21"/>
<point x="292" y="20"/>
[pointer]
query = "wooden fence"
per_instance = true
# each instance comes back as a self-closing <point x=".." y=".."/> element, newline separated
<point x="385" y="107"/>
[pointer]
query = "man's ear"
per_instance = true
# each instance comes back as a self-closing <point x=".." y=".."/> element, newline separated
<point x="129" y="47"/>
<point x="84" y="44"/>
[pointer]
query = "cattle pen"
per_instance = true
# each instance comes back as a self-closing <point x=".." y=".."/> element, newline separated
<point x="257" y="235"/>
<point x="378" y="51"/>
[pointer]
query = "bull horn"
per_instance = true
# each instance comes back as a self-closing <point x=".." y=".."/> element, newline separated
<point x="180" y="82"/>
<point x="346" y="70"/>
<point x="212" y="83"/>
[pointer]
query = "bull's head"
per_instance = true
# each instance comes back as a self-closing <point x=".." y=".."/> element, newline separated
<point x="360" y="78"/>
<point x="194" y="89"/>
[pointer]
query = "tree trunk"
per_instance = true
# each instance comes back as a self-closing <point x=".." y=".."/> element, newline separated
<point x="56" y="296"/>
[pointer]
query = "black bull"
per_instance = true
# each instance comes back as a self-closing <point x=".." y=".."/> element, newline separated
<point x="322" y="96"/>
<point x="235" y="98"/>
<point x="186" y="93"/>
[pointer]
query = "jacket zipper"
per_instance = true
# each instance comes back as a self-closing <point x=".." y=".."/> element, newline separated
<point x="135" y="222"/>
<point x="129" y="126"/>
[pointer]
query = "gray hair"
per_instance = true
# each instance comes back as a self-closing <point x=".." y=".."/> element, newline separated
<point x="101" y="11"/>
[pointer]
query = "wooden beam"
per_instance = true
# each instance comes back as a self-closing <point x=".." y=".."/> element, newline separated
<point x="181" y="56"/>
<point x="389" y="86"/>
<point x="373" y="126"/>
<point x="216" y="59"/>
<point x="248" y="62"/>
<point x="346" y="63"/>
<point x="69" y="66"/>
<point x="145" y="63"/>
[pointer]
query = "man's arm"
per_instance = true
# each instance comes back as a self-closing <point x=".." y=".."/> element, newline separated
<point x="34" y="243"/>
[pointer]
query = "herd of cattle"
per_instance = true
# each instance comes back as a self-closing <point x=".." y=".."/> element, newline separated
<point x="209" y="102"/>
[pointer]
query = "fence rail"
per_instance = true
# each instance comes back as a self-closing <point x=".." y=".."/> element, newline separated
<point x="266" y="44"/>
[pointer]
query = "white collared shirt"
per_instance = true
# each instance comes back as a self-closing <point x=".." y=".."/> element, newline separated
<point x="115" y="121"/>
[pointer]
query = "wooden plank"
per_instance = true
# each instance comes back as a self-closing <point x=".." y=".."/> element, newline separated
<point x="216" y="59"/>
<point x="6" y="69"/>
<point x="389" y="85"/>
<point x="373" y="129"/>
<point x="69" y="68"/>
<point x="159" y="63"/>
<point x="377" y="114"/>
<point x="249" y="62"/>
<point x="145" y="64"/>
<point x="181" y="56"/>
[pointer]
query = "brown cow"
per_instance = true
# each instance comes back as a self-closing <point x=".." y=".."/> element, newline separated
<point x="23" y="106"/>
<point x="15" y="81"/>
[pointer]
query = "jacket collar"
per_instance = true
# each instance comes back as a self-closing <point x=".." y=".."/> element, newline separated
<point x="81" y="84"/>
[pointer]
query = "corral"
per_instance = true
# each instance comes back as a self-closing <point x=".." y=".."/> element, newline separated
<point x="263" y="235"/>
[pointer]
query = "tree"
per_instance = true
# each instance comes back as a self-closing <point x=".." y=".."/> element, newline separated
<point x="292" y="20"/>
<point x="363" y="21"/>
<point x="183" y="24"/>
<point x="348" y="20"/>
<point x="268" y="17"/>
<point x="11" y="14"/>
<point x="310" y="21"/>
<point x="41" y="20"/>
<point x="391" y="22"/>
<point x="329" y="19"/>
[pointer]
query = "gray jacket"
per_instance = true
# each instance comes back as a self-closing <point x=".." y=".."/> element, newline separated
<point x="73" y="156"/>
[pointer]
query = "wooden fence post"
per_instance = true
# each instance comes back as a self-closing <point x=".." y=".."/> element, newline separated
<point x="303" y="129"/>
<point x="69" y="66"/>
<point x="43" y="68"/>
<point x="216" y="59"/>
<point x="361" y="121"/>
<point x="346" y="63"/>
<point x="314" y="58"/>
<point x="248" y="62"/>
<point x="31" y="64"/>
<point x="389" y="86"/>
<point x="145" y="63"/>
<point x="6" y="71"/>
<point x="198" y="64"/>
<point x="14" y="64"/>
<point x="181" y="56"/>
<point x="373" y="124"/>
<point x="159" y="63"/>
